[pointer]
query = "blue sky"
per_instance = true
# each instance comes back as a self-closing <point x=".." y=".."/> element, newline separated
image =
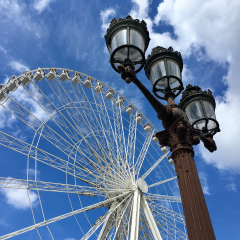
<point x="70" y="34"/>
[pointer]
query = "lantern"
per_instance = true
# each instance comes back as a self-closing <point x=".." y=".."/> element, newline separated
<point x="127" y="40"/>
<point x="199" y="107"/>
<point x="163" y="68"/>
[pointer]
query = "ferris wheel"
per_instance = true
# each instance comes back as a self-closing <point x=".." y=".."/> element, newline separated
<point x="94" y="168"/>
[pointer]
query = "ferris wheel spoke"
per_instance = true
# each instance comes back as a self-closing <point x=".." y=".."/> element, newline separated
<point x="96" y="165"/>
<point x="158" y="197"/>
<point x="104" y="174"/>
<point x="154" y="166"/>
<point x="82" y="210"/>
<point x="144" y="227"/>
<point x="108" y="224"/>
<point x="74" y="112"/>
<point x="43" y="156"/>
<point x="105" y="124"/>
<point x="119" y="137"/>
<point x="131" y="142"/>
<point x="169" y="224"/>
<point x="111" y="213"/>
<point x="170" y="229"/>
<point x="168" y="213"/>
<point x="161" y="182"/>
<point x="48" y="133"/>
<point x="60" y="119"/>
<point x="97" y="105"/>
<point x="52" y="187"/>
<point x="143" y="153"/>
<point x="120" y="213"/>
<point x="38" y="126"/>
<point x="51" y="111"/>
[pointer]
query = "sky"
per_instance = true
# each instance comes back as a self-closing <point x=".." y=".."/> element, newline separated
<point x="70" y="34"/>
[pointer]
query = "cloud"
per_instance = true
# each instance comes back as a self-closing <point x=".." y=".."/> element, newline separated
<point x="18" y="66"/>
<point x="203" y="180"/>
<point x="3" y="223"/>
<point x="232" y="187"/>
<point x="15" y="15"/>
<point x="140" y="9"/>
<point x="32" y="172"/>
<point x="19" y="198"/>
<point x="2" y="49"/>
<point x="105" y="15"/>
<point x="208" y="29"/>
<point x="41" y="5"/>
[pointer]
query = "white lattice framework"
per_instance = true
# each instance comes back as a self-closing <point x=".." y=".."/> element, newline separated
<point x="80" y="144"/>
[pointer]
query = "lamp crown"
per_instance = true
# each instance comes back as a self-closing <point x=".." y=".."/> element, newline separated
<point x="128" y="18"/>
<point x="159" y="49"/>
<point x="191" y="91"/>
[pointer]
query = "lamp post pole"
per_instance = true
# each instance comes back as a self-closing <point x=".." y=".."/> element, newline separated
<point x="127" y="40"/>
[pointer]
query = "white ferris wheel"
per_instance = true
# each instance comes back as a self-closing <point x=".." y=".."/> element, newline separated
<point x="93" y="166"/>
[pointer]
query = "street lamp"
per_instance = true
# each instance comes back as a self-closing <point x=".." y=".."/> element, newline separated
<point x="185" y="124"/>
<point x="199" y="107"/>
<point x="127" y="41"/>
<point x="163" y="68"/>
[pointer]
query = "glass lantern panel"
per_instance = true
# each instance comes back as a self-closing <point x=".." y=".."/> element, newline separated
<point x="119" y="39"/>
<point x="173" y="83"/>
<point x="121" y="54"/>
<point x="209" y="109"/>
<point x="194" y="111"/>
<point x="162" y="84"/>
<point x="136" y="39"/>
<point x="200" y="125"/>
<point x="211" y="125"/>
<point x="134" y="55"/>
<point x="157" y="71"/>
<point x="173" y="68"/>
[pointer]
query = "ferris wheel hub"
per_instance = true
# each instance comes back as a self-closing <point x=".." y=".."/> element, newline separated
<point x="142" y="185"/>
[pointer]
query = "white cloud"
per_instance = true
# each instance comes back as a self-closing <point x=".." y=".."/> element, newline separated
<point x="6" y="119"/>
<point x="232" y="187"/>
<point x="105" y="15"/>
<point x="140" y="9"/>
<point x="3" y="223"/>
<point x="32" y="172"/>
<point x="212" y="25"/>
<point x="187" y="75"/>
<point x="18" y="66"/>
<point x="15" y="13"/>
<point x="2" y="49"/>
<point x="41" y="5"/>
<point x="203" y="180"/>
<point x="69" y="239"/>
<point x="19" y="198"/>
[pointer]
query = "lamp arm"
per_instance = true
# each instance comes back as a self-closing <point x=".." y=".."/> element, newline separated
<point x="163" y="112"/>
<point x="128" y="75"/>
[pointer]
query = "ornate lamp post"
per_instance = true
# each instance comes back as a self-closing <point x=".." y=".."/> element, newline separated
<point x="185" y="125"/>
